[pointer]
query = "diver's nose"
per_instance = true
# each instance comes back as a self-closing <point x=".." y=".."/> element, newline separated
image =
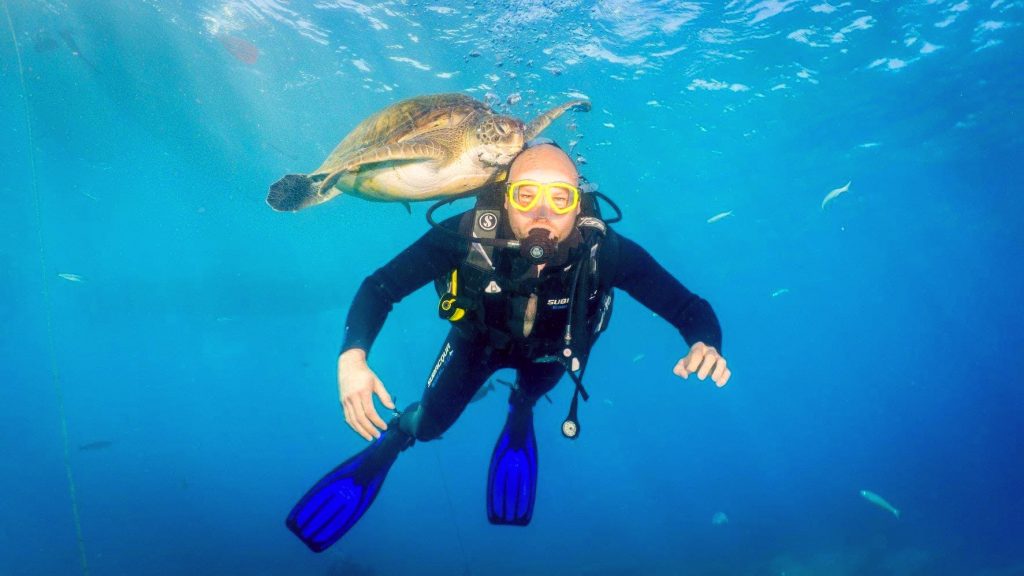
<point x="541" y="211"/>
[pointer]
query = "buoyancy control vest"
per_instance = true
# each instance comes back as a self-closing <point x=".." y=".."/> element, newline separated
<point x="574" y="293"/>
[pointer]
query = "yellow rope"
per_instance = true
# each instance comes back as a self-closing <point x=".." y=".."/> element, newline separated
<point x="48" y="305"/>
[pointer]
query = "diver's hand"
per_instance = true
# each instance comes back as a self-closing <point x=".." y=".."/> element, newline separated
<point x="703" y="360"/>
<point x="356" y="386"/>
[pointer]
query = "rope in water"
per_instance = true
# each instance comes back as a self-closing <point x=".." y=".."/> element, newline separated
<point x="48" y="304"/>
<point x="451" y="509"/>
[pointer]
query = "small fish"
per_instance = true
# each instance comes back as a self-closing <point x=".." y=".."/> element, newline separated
<point x="71" y="277"/>
<point x="609" y="402"/>
<point x="780" y="292"/>
<point x="719" y="216"/>
<point x="69" y="41"/>
<point x="608" y="125"/>
<point x="97" y="445"/>
<point x="835" y="194"/>
<point x="879" y="501"/>
<point x="719" y="518"/>
<point x="638" y="358"/>
<point x="482" y="392"/>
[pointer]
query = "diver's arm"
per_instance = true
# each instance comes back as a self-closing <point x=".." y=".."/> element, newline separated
<point x="425" y="259"/>
<point x="640" y="275"/>
<point x="431" y="256"/>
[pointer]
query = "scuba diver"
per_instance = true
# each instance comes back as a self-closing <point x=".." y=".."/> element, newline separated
<point x="526" y="280"/>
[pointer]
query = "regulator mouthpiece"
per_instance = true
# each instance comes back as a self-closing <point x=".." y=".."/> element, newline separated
<point x="538" y="247"/>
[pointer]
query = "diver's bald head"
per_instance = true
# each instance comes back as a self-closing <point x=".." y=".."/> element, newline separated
<point x="544" y="163"/>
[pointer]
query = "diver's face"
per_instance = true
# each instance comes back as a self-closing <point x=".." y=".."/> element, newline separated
<point x="538" y="169"/>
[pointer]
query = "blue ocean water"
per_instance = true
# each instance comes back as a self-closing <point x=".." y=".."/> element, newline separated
<point x="169" y="342"/>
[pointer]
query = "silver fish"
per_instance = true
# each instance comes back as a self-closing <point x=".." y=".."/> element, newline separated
<point x="720" y="216"/>
<point x="880" y="502"/>
<point x="835" y="194"/>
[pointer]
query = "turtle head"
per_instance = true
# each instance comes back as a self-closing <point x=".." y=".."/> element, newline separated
<point x="500" y="138"/>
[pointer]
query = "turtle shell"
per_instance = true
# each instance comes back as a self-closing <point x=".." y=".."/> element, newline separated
<point x="443" y="114"/>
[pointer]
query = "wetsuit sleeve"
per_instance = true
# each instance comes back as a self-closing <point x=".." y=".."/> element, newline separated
<point x="434" y="254"/>
<point x="640" y="275"/>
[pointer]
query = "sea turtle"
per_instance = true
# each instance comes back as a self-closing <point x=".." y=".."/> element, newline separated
<point x="417" y="149"/>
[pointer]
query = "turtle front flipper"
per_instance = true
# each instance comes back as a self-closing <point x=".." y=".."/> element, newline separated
<point x="408" y="151"/>
<point x="534" y="128"/>
<point x="293" y="192"/>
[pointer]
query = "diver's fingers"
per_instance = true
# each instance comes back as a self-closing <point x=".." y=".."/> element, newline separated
<point x="680" y="369"/>
<point x="348" y="415"/>
<point x="365" y="429"/>
<point x="382" y="393"/>
<point x="725" y="378"/>
<point x="708" y="363"/>
<point x="354" y="417"/>
<point x="367" y="413"/>
<point x="693" y="359"/>
<point x="719" y="372"/>
<point x="371" y="411"/>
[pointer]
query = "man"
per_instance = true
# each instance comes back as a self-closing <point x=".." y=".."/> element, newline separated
<point x="537" y="312"/>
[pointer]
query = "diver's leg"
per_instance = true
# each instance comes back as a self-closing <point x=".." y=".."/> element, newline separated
<point x="535" y="379"/>
<point x="460" y="370"/>
<point x="512" y="476"/>
<point x="334" y="504"/>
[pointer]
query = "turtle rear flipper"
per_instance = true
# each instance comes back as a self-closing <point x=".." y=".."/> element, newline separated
<point x="534" y="128"/>
<point x="293" y="192"/>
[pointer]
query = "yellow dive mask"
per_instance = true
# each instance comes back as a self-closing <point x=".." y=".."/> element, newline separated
<point x="562" y="198"/>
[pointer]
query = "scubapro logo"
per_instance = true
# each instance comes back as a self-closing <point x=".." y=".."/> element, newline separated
<point x="446" y="355"/>
<point x="487" y="221"/>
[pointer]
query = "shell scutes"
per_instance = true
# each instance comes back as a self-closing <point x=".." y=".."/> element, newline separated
<point x="404" y="120"/>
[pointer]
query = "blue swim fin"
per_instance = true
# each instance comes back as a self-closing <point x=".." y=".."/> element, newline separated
<point x="332" y="506"/>
<point x="512" y="477"/>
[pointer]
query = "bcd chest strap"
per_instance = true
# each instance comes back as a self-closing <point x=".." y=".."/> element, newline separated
<point x="459" y="295"/>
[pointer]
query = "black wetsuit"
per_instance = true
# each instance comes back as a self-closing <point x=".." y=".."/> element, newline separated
<point x="475" y="349"/>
